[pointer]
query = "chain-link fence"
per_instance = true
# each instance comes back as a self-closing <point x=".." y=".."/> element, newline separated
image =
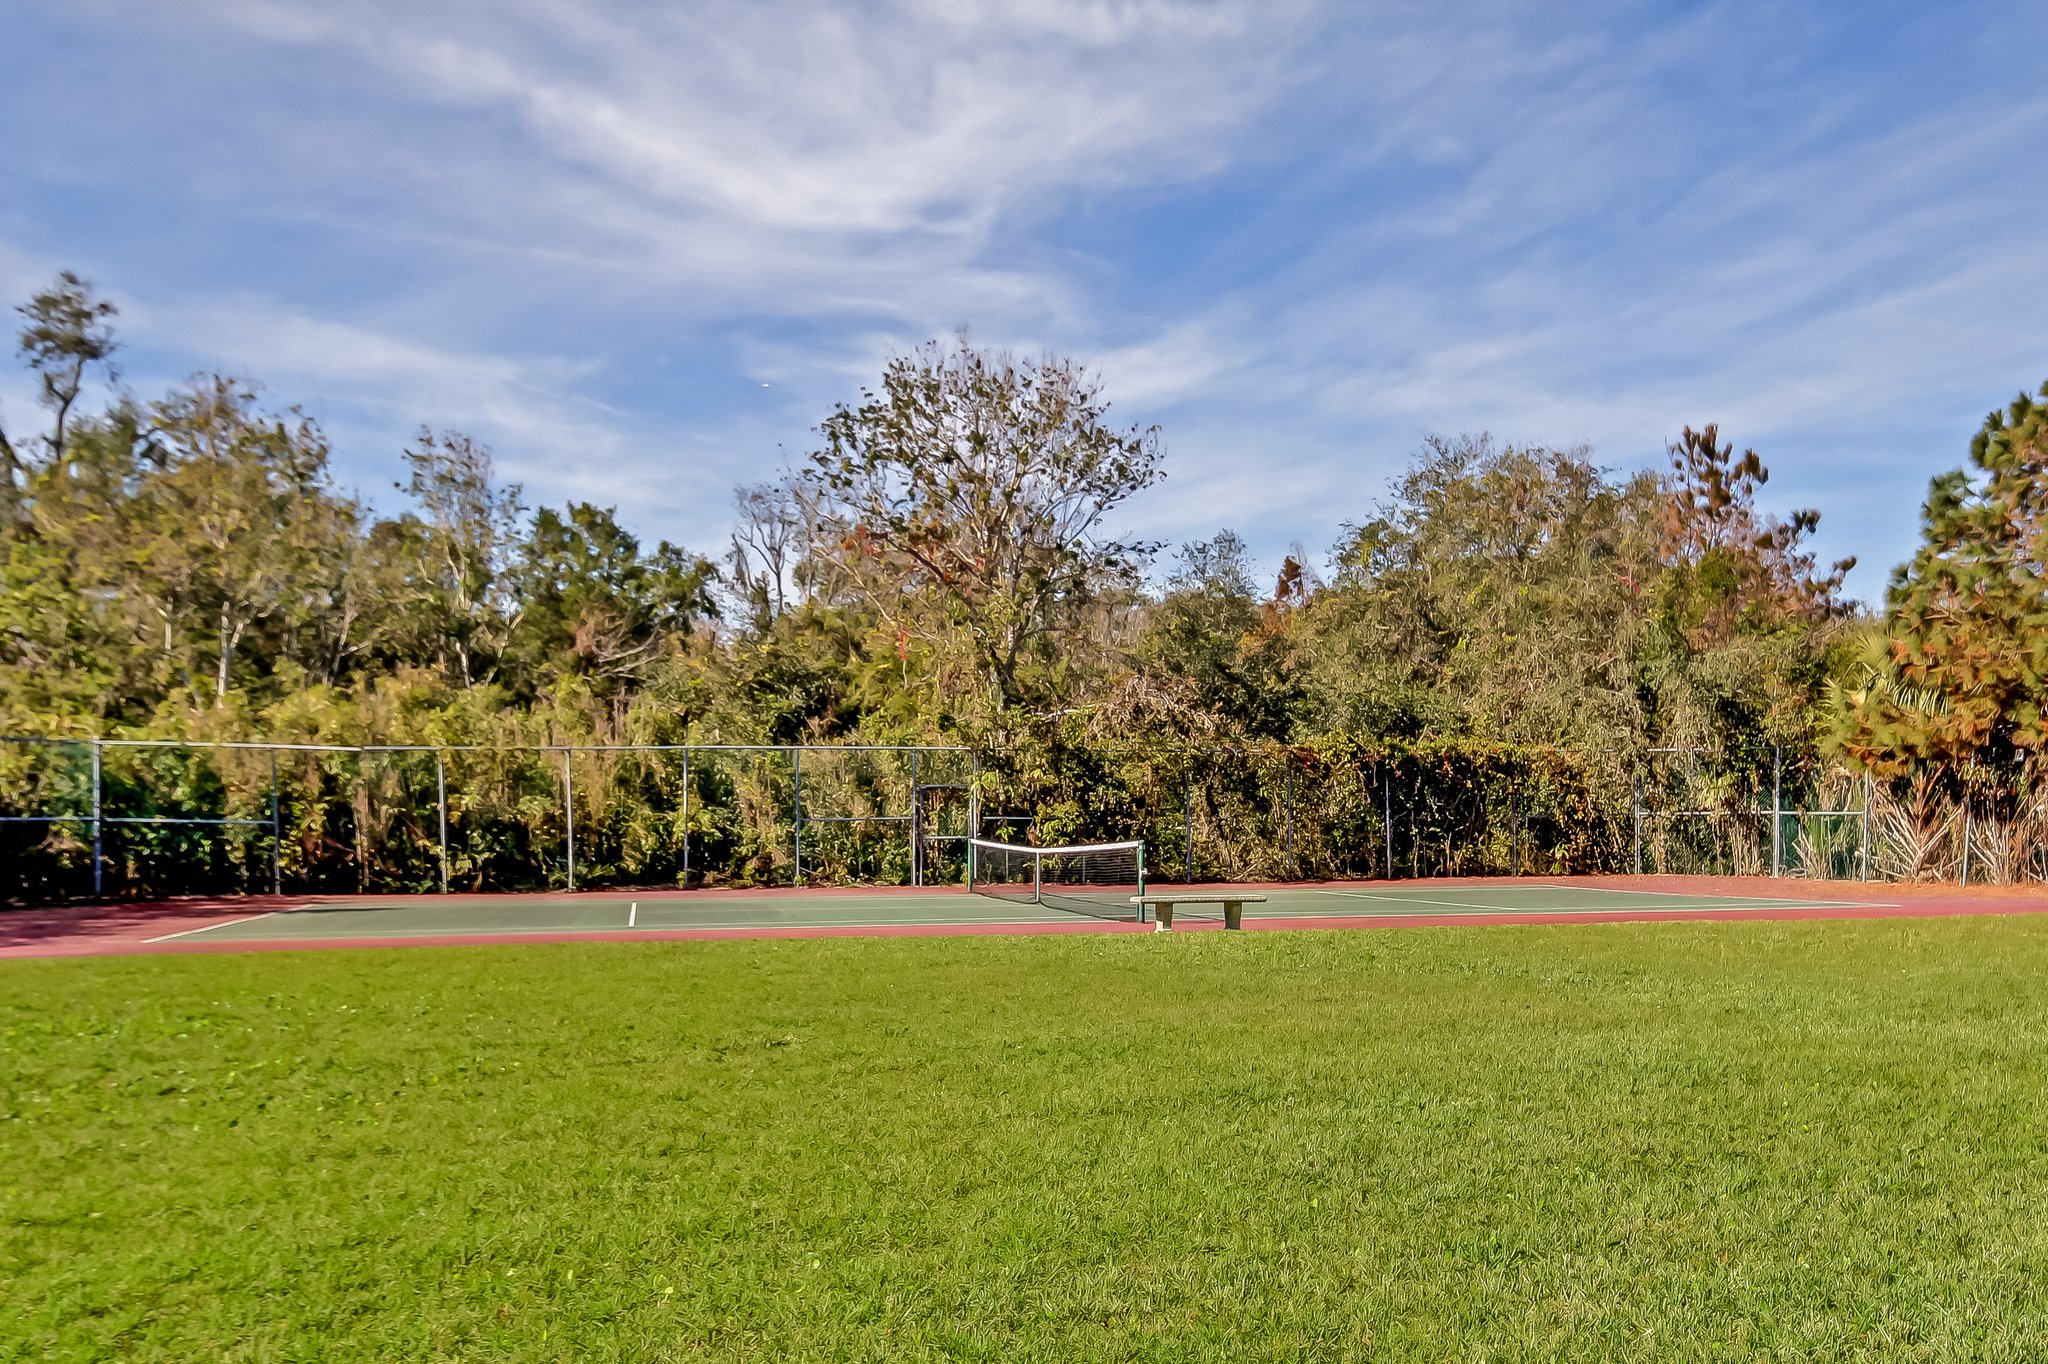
<point x="137" y="818"/>
<point x="130" y="818"/>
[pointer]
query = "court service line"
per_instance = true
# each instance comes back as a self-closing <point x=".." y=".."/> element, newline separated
<point x="1682" y="895"/>
<point x="208" y="928"/>
<point x="1420" y="900"/>
<point x="1700" y="906"/>
<point x="590" y="929"/>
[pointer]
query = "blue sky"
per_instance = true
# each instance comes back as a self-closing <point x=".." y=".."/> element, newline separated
<point x="641" y="249"/>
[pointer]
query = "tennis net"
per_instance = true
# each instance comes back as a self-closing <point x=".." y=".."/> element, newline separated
<point x="1093" y="878"/>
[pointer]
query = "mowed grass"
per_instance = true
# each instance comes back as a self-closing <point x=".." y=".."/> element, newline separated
<point x="1819" y="1141"/>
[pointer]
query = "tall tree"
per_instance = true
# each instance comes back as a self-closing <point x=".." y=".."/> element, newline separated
<point x="236" y="524"/>
<point x="1495" y="592"/>
<point x="767" y="546"/>
<point x="594" y="605"/>
<point x="1209" y="647"/>
<point x="69" y="330"/>
<point x="466" y="537"/>
<point x="1959" y="672"/>
<point x="1729" y="565"/>
<point x="966" y="504"/>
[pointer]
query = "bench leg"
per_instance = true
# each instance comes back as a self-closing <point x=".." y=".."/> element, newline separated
<point x="1162" y="918"/>
<point x="1233" y="914"/>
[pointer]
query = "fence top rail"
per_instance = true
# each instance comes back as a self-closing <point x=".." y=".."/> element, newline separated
<point x="486" y="748"/>
<point x="1172" y="750"/>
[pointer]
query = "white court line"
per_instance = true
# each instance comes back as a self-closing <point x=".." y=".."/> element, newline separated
<point x="1601" y="909"/>
<point x="632" y="913"/>
<point x="1414" y="900"/>
<point x="652" y="928"/>
<point x="1682" y="895"/>
<point x="224" y="923"/>
<point x="880" y="923"/>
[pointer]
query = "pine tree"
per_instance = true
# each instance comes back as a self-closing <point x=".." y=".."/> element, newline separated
<point x="1952" y="682"/>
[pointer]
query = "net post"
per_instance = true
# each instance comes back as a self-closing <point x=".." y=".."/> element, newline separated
<point x="98" y="844"/>
<point x="1143" y="908"/>
<point x="276" y="831"/>
<point x="441" y="809"/>
<point x="569" y="812"/>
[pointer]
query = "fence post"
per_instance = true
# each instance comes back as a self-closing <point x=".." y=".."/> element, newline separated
<point x="362" y="830"/>
<point x="1287" y="802"/>
<point x="1188" y="799"/>
<point x="97" y="844"/>
<point x="686" y="819"/>
<point x="1967" y="787"/>
<point x="1387" y="815"/>
<point x="1777" y="809"/>
<point x="1866" y="826"/>
<point x="569" y="811"/>
<point x="916" y="821"/>
<point x="796" y="806"/>
<point x="1514" y="829"/>
<point x="441" y="807"/>
<point x="973" y="809"/>
<point x="1636" y="813"/>
<point x="276" y="831"/>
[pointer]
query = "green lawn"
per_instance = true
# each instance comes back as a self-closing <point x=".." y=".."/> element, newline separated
<point x="1811" y="1141"/>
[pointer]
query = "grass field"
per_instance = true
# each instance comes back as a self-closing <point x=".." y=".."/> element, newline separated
<point x="1785" y="1141"/>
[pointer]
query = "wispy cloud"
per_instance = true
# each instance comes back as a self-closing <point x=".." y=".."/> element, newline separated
<point x="643" y="249"/>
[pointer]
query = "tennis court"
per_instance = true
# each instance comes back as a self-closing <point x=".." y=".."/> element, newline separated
<point x="361" y="921"/>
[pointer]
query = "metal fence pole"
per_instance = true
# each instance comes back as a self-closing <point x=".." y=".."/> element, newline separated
<point x="974" y="810"/>
<point x="796" y="806"/>
<point x="1188" y="798"/>
<point x="98" y="845"/>
<point x="569" y="812"/>
<point x="1287" y="802"/>
<point x="276" y="831"/>
<point x="1636" y="813"/>
<point x="916" y="822"/>
<point x="1967" y="785"/>
<point x="1387" y="816"/>
<point x="1514" y="829"/>
<point x="362" y="830"/>
<point x="1777" y="809"/>
<point x="686" y="819"/>
<point x="441" y="807"/>
<point x="1866" y="826"/>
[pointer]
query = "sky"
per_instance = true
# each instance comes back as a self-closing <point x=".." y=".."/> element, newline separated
<point x="642" y="250"/>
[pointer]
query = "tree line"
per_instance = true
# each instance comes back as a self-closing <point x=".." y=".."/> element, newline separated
<point x="946" y="566"/>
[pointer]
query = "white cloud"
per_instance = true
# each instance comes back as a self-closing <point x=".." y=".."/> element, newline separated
<point x="1580" y="223"/>
<point x="862" y="153"/>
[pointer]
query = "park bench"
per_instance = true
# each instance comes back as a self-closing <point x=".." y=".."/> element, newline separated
<point x="1162" y="904"/>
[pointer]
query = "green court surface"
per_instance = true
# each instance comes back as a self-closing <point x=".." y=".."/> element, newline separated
<point x="658" y="913"/>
